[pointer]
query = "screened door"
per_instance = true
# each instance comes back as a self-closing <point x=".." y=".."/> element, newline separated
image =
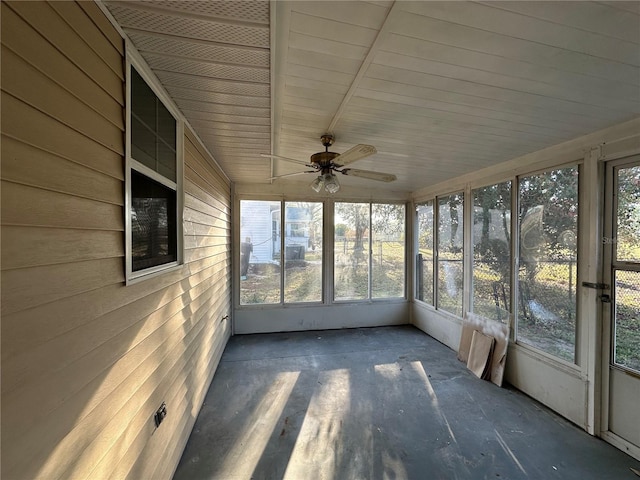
<point x="621" y="306"/>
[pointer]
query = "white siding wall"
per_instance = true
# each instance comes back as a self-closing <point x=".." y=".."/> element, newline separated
<point x="86" y="360"/>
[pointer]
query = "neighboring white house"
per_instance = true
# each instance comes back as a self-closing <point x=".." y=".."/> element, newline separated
<point x="260" y="225"/>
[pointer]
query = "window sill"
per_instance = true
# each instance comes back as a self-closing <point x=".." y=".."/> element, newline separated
<point x="153" y="272"/>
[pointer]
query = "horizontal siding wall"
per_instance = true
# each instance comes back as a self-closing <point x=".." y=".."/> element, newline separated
<point x="86" y="360"/>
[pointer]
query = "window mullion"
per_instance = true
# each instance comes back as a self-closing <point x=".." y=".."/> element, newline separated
<point x="283" y="257"/>
<point x="370" y="279"/>
<point x="436" y="252"/>
<point x="467" y="249"/>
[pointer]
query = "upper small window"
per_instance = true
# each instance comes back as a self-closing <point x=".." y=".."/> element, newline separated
<point x="153" y="233"/>
<point x="153" y="130"/>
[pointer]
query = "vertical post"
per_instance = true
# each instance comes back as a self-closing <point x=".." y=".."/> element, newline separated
<point x="570" y="284"/>
<point x="589" y="320"/>
<point x="419" y="277"/>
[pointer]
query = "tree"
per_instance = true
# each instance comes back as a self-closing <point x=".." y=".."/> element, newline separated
<point x="556" y="193"/>
<point x="628" y="214"/>
<point x="450" y="216"/>
<point x="494" y="200"/>
<point x="388" y="219"/>
<point x="356" y="216"/>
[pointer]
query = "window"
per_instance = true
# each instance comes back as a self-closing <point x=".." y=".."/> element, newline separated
<point x="153" y="229"/>
<point x="626" y="263"/>
<point x="369" y="251"/>
<point x="153" y="164"/>
<point x="262" y="280"/>
<point x="351" y="251"/>
<point x="260" y="248"/>
<point x="424" y="261"/>
<point x="491" y="238"/>
<point x="303" y="252"/>
<point x="450" y="253"/>
<point x="388" y="252"/>
<point x="547" y="230"/>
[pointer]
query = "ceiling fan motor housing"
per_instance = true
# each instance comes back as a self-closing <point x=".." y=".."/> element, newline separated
<point x="323" y="159"/>
<point x="327" y="140"/>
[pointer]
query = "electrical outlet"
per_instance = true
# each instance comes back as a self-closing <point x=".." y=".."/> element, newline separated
<point x="158" y="417"/>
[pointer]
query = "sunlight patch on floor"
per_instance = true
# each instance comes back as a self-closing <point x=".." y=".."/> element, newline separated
<point x="318" y="446"/>
<point x="250" y="444"/>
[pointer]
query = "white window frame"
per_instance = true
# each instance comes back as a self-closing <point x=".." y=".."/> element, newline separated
<point x="512" y="221"/>
<point x="134" y="60"/>
<point x="515" y="285"/>
<point x="416" y="243"/>
<point x="370" y="298"/>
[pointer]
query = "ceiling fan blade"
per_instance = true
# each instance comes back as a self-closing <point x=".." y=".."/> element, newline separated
<point x="286" y="159"/>
<point x="355" y="153"/>
<point x="381" y="177"/>
<point x="292" y="174"/>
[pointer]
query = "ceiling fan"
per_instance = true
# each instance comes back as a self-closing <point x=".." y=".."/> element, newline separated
<point x="326" y="163"/>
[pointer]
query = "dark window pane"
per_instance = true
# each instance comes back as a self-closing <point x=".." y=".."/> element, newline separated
<point x="153" y="129"/>
<point x="166" y="162"/>
<point x="143" y="101"/>
<point x="166" y="126"/>
<point x="143" y="144"/>
<point x="153" y="223"/>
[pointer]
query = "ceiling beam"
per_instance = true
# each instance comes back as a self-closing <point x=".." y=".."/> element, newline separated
<point x="373" y="50"/>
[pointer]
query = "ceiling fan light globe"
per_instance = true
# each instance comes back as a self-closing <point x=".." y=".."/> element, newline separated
<point x="331" y="184"/>
<point x="317" y="184"/>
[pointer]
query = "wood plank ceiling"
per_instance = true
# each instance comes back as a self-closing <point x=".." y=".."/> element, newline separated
<point x="440" y="88"/>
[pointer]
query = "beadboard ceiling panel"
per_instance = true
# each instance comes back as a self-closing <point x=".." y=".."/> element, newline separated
<point x="213" y="58"/>
<point x="440" y="88"/>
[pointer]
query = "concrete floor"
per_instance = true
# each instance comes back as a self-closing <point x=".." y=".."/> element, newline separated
<point x="377" y="403"/>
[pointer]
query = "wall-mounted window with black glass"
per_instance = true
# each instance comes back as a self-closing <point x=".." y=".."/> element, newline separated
<point x="153" y="223"/>
<point x="153" y="230"/>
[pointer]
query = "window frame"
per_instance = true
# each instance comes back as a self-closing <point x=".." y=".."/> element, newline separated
<point x="513" y="222"/>
<point x="418" y="270"/>
<point x="328" y="272"/>
<point x="465" y="251"/>
<point x="131" y="276"/>
<point x="282" y="201"/>
<point x="370" y="298"/>
<point x="515" y="285"/>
